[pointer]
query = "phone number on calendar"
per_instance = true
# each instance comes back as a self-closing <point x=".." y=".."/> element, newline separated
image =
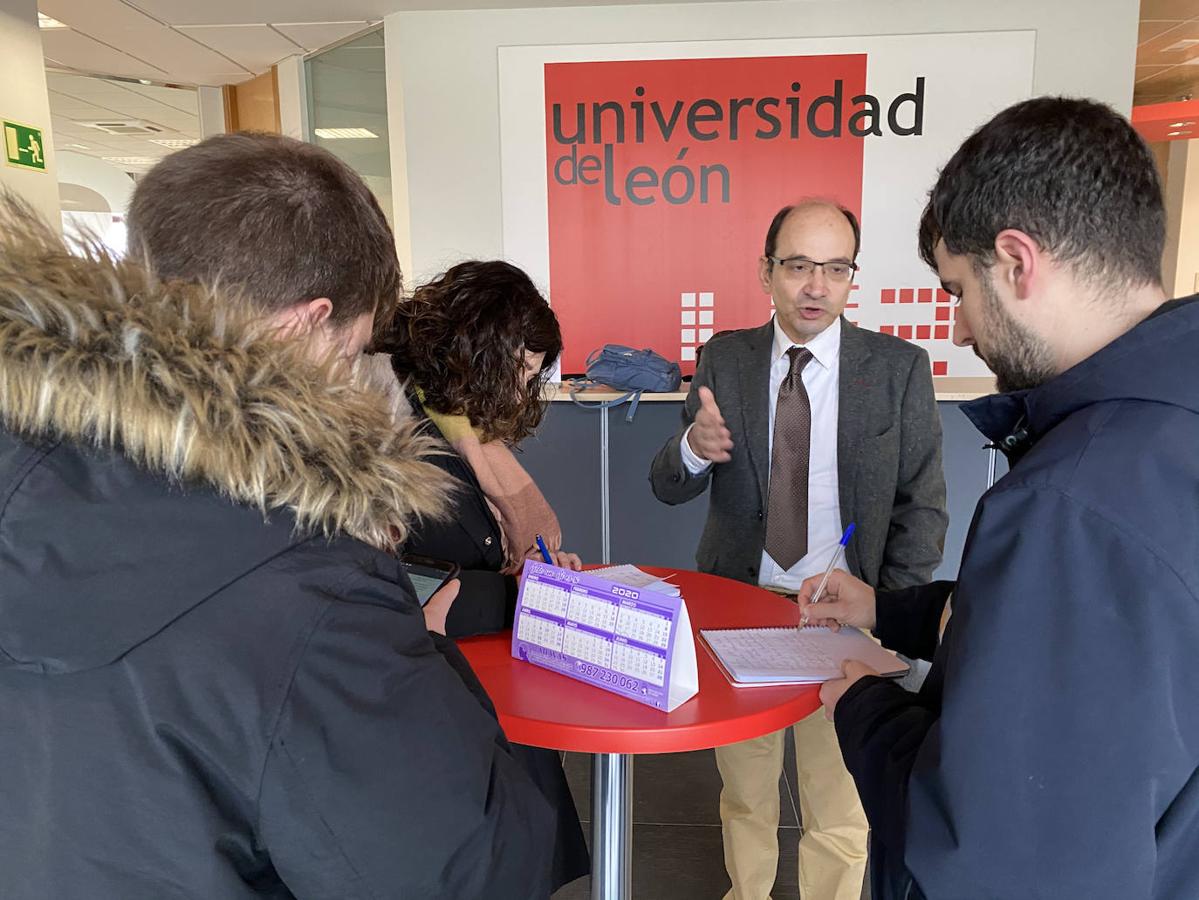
<point x="609" y="677"/>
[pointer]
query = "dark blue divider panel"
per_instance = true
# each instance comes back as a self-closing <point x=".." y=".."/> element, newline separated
<point x="643" y="529"/>
<point x="564" y="459"/>
<point x="965" y="462"/>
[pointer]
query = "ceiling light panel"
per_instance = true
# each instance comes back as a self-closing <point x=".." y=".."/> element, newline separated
<point x="335" y="134"/>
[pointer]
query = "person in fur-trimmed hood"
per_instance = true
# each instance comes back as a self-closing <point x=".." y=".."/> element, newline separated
<point x="215" y="681"/>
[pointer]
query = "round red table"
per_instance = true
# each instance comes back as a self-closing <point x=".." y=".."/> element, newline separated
<point x="545" y="709"/>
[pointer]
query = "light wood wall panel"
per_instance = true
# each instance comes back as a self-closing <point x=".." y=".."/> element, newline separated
<point x="254" y="105"/>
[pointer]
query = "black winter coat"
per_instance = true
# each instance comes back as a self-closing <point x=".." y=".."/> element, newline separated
<point x="470" y="537"/>
<point x="485" y="604"/>
<point x="209" y="687"/>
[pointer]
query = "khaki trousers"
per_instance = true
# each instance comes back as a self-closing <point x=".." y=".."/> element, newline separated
<point x="832" y="849"/>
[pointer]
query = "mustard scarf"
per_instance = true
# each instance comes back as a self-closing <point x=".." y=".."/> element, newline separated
<point x="515" y="500"/>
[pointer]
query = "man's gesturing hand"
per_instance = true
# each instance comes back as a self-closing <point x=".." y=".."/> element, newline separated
<point x="708" y="437"/>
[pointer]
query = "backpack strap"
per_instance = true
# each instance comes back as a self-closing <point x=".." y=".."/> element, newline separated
<point x="633" y="406"/>
<point x="634" y="396"/>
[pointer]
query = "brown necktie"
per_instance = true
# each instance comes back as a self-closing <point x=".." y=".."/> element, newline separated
<point x="787" y="504"/>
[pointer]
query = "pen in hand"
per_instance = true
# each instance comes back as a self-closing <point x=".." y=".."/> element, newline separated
<point x="832" y="564"/>
<point x="545" y="553"/>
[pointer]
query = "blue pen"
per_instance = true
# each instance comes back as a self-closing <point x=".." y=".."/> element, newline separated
<point x="833" y="562"/>
<point x="545" y="552"/>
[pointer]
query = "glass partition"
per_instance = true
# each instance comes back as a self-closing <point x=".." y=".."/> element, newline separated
<point x="347" y="109"/>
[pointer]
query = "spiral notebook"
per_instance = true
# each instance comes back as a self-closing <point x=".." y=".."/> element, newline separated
<point x="764" y="656"/>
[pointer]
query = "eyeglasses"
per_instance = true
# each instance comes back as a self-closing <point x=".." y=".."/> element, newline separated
<point x="804" y="268"/>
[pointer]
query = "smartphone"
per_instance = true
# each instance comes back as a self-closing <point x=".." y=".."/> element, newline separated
<point x="428" y="575"/>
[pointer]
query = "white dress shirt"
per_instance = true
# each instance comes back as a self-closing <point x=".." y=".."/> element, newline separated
<point x="821" y="378"/>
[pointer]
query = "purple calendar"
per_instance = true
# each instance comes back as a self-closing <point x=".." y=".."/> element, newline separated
<point x="631" y="641"/>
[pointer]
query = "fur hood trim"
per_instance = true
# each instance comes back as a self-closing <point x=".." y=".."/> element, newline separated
<point x="182" y="381"/>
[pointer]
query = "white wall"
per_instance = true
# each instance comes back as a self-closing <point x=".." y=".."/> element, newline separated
<point x="1181" y="273"/>
<point x="111" y="188"/>
<point x="401" y="222"/>
<point x="23" y="99"/>
<point x="211" y="104"/>
<point x="109" y="181"/>
<point x="443" y="89"/>
<point x="293" y="97"/>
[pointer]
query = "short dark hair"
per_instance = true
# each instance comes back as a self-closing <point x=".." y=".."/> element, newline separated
<point x="272" y="219"/>
<point x="776" y="224"/>
<point x="1071" y="174"/>
<point x="461" y="340"/>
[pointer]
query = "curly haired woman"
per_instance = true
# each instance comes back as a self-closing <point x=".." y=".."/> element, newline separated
<point x="475" y="347"/>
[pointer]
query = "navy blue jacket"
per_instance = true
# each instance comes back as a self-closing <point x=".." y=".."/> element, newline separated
<point x="1053" y="751"/>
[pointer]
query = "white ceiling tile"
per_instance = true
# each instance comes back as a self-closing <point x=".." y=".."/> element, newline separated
<point x="142" y="36"/>
<point x="176" y="52"/>
<point x="155" y="91"/>
<point x="180" y="98"/>
<point x="75" y="85"/>
<point x="140" y="110"/>
<point x="118" y="102"/>
<point x="71" y="109"/>
<point x="76" y="127"/>
<point x="81" y="52"/>
<point x="159" y="40"/>
<point x="155" y="116"/>
<point x="83" y="112"/>
<point x="183" y="103"/>
<point x="84" y="85"/>
<point x="315" y="35"/>
<point x="172" y="129"/>
<point x="147" y="109"/>
<point x="102" y="148"/>
<point x="109" y="146"/>
<point x="105" y="93"/>
<point x="210" y="77"/>
<point x="80" y="114"/>
<point x="139" y="146"/>
<point x="96" y="17"/>
<point x="170" y="114"/>
<point x="65" y="99"/>
<point x="223" y="12"/>
<point x="239" y="12"/>
<point x="175" y="132"/>
<point x="70" y="129"/>
<point x="257" y="47"/>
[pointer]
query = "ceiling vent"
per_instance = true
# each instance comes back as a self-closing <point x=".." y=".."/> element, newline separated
<point x="125" y="126"/>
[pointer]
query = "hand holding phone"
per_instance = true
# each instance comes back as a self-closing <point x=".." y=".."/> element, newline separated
<point x="428" y="575"/>
<point x="437" y="610"/>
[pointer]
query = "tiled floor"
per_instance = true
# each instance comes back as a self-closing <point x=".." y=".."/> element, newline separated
<point x="677" y="853"/>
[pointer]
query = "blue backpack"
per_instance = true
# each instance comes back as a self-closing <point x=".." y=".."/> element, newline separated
<point x="629" y="370"/>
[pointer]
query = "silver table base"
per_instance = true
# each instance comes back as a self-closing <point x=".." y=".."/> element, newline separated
<point x="611" y="826"/>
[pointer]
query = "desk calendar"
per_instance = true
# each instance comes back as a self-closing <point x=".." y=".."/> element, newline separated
<point x="631" y="641"/>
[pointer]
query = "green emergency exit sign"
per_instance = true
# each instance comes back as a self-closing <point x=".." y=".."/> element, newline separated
<point x="24" y="147"/>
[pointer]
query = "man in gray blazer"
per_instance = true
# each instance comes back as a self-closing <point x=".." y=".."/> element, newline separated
<point x="802" y="426"/>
